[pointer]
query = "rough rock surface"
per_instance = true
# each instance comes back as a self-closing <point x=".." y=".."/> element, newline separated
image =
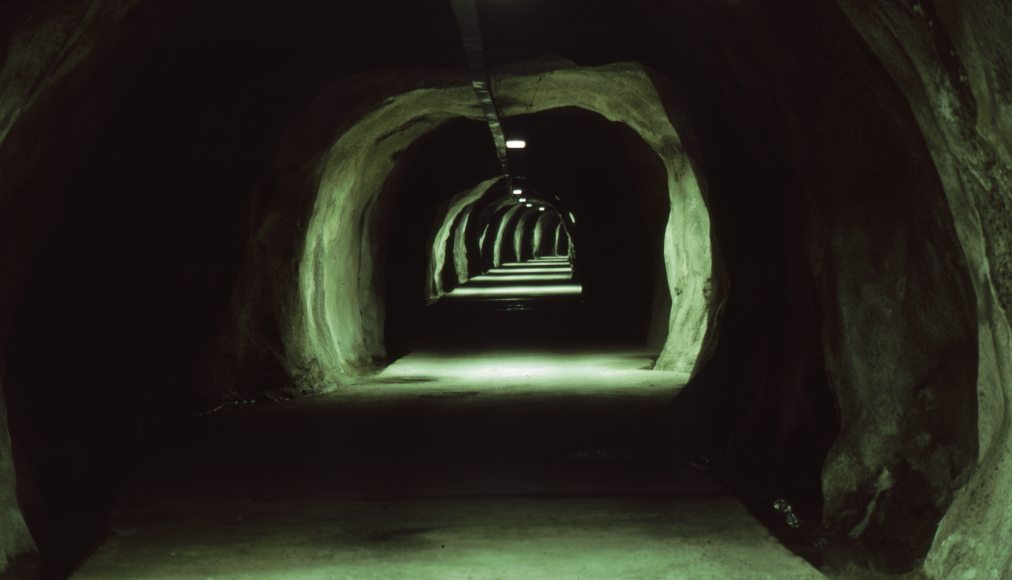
<point x="38" y="52"/>
<point x="328" y="337"/>
<point x="848" y="325"/>
<point x="500" y="235"/>
<point x="14" y="536"/>
<point x="438" y="256"/>
<point x="952" y="61"/>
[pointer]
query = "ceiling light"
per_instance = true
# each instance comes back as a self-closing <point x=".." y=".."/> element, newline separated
<point x="517" y="191"/>
<point x="516" y="144"/>
<point x="530" y="205"/>
<point x="541" y="209"/>
<point x="522" y="199"/>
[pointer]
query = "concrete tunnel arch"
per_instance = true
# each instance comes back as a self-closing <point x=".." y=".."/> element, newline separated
<point x="337" y="333"/>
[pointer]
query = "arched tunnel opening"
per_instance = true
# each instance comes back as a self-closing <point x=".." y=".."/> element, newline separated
<point x="505" y="289"/>
<point x="448" y="240"/>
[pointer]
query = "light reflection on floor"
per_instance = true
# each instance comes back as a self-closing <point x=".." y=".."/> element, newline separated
<point x="521" y="277"/>
<point x="517" y="291"/>
<point x="527" y="371"/>
<point x="527" y="270"/>
<point x="492" y="465"/>
<point x="535" y="278"/>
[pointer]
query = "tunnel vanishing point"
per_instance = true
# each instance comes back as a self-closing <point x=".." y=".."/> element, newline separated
<point x="801" y="207"/>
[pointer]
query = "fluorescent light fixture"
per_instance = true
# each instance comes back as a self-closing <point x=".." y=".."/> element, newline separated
<point x="522" y="199"/>
<point x="517" y="191"/>
<point x="516" y="144"/>
<point x="541" y="208"/>
<point x="530" y="205"/>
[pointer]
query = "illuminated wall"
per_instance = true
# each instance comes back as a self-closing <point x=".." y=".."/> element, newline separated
<point x="335" y="331"/>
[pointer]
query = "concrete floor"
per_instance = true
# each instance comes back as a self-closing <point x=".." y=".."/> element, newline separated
<point x="507" y="465"/>
<point x="449" y="464"/>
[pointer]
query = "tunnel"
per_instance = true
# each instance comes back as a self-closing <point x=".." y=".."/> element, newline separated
<point x="505" y="289"/>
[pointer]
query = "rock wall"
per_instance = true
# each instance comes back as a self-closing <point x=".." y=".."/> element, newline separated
<point x="332" y="325"/>
<point x="41" y="48"/>
<point x="546" y="234"/>
<point x="504" y="234"/>
<point x="522" y="234"/>
<point x="16" y="539"/>
<point x="847" y="333"/>
<point x="444" y="231"/>
<point x="953" y="62"/>
<point x="127" y="160"/>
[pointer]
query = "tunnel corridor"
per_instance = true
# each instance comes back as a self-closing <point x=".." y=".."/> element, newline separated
<point x="505" y="289"/>
<point x="513" y="440"/>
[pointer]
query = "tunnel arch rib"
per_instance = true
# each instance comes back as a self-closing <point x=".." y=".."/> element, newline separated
<point x="337" y="332"/>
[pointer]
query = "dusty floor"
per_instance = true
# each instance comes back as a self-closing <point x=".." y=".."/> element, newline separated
<point x="449" y="464"/>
